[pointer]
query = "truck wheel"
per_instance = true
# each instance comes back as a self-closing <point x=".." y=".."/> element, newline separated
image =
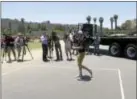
<point x="131" y="51"/>
<point x="115" y="49"/>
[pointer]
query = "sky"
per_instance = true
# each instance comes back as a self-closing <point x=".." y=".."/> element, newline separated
<point x="69" y="12"/>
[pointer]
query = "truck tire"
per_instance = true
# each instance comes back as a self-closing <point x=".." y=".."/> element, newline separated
<point x="131" y="51"/>
<point x="115" y="49"/>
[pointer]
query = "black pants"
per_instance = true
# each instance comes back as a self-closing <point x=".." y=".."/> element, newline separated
<point x="58" y="52"/>
<point x="45" y="52"/>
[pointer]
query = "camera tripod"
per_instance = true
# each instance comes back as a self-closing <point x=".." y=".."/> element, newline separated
<point x="25" y="46"/>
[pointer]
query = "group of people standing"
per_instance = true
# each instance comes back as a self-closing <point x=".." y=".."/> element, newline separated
<point x="47" y="46"/>
<point x="13" y="44"/>
<point x="49" y="43"/>
<point x="53" y="42"/>
<point x="70" y="39"/>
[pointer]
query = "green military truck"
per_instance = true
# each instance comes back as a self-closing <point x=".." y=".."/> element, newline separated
<point x="121" y="45"/>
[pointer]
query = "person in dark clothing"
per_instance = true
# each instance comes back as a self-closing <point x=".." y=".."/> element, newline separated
<point x="44" y="42"/>
<point x="57" y="44"/>
<point x="9" y="43"/>
<point x="96" y="45"/>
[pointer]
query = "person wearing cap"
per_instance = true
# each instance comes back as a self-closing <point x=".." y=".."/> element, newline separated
<point x="81" y="54"/>
<point x="44" y="42"/>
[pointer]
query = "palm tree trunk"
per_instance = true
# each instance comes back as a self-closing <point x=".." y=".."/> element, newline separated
<point x="112" y="25"/>
<point x="101" y="29"/>
<point x="115" y="24"/>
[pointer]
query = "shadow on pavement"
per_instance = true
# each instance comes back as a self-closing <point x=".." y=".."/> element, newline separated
<point x="23" y="60"/>
<point x="85" y="78"/>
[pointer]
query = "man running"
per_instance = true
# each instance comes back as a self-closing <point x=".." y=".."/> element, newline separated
<point x="81" y="54"/>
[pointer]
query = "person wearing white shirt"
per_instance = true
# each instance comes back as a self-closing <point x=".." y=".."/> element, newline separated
<point x="44" y="42"/>
<point x="67" y="41"/>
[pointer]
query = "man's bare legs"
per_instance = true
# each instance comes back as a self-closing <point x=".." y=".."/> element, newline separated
<point x="80" y="59"/>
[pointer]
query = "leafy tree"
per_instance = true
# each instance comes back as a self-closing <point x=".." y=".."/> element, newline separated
<point x="60" y="28"/>
<point x="48" y="22"/>
<point x="39" y="27"/>
<point x="43" y="27"/>
<point x="21" y="27"/>
<point x="127" y="25"/>
<point x="9" y="28"/>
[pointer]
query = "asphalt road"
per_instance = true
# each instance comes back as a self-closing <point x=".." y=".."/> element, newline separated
<point x="113" y="78"/>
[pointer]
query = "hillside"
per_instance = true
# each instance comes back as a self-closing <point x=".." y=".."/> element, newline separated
<point x="13" y="26"/>
<point x="33" y="27"/>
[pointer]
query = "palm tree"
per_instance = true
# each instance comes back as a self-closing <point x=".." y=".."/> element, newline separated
<point x="29" y="28"/>
<point x="95" y="19"/>
<point x="111" y="21"/>
<point x="88" y="19"/>
<point x="10" y="28"/>
<point x="48" y="22"/>
<point x="22" y="20"/>
<point x="101" y="19"/>
<point x="23" y="25"/>
<point x="115" y="19"/>
<point x="95" y="26"/>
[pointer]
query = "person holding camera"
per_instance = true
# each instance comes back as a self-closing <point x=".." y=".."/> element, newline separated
<point x="9" y="43"/>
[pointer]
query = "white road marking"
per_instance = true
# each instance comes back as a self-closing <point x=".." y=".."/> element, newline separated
<point x="60" y="67"/>
<point x="63" y="67"/>
<point x="121" y="84"/>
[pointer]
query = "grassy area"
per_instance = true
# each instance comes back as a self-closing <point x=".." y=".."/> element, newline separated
<point x="34" y="45"/>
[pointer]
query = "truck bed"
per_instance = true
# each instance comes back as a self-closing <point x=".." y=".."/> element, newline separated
<point x="119" y="39"/>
